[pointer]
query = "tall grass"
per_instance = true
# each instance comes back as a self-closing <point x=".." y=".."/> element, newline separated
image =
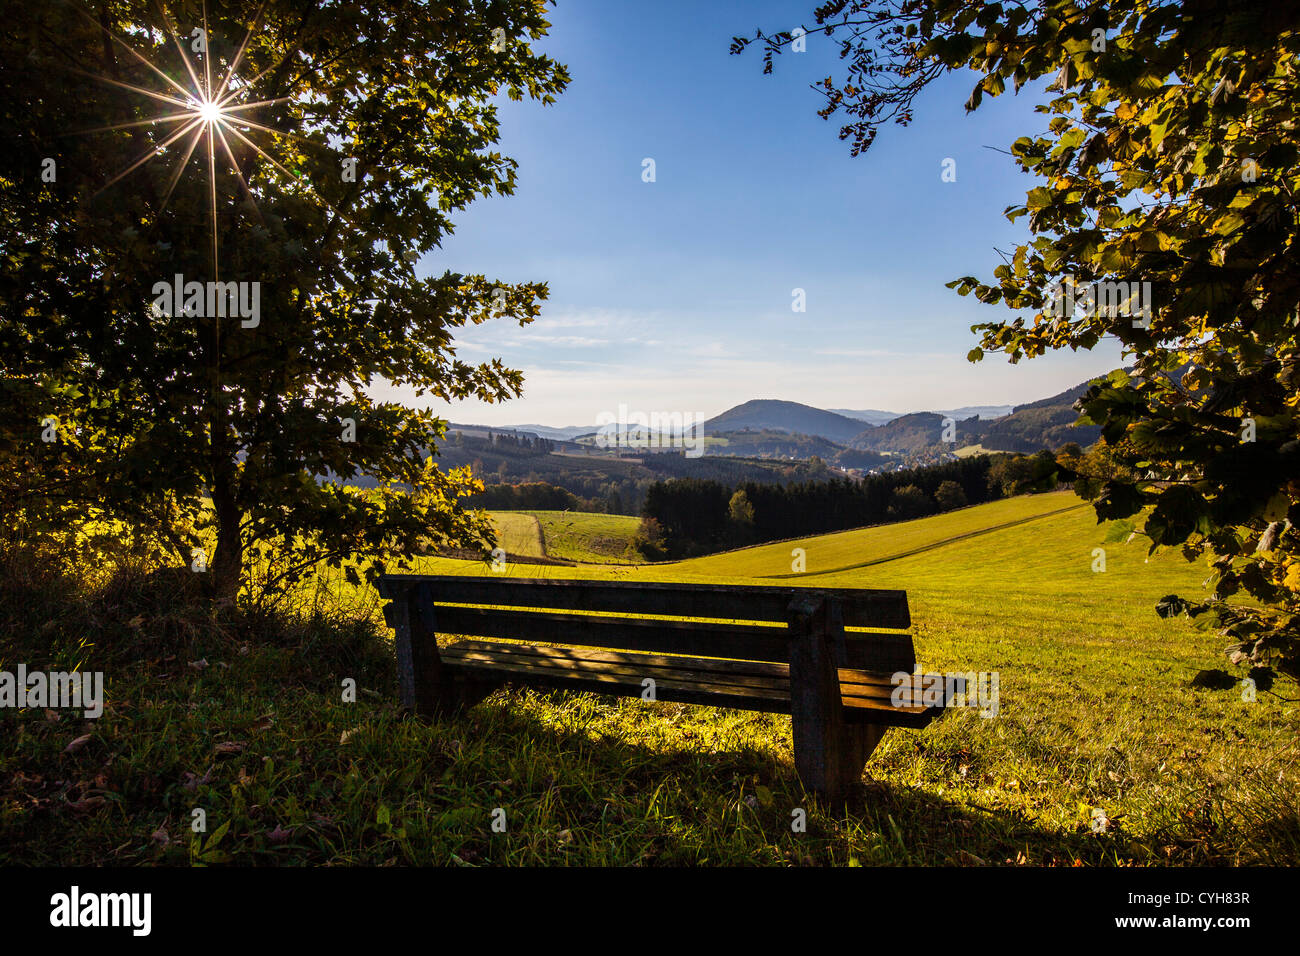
<point x="1101" y="752"/>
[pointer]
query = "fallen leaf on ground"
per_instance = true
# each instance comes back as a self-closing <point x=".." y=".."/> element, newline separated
<point x="86" y="803"/>
<point x="192" y="781"/>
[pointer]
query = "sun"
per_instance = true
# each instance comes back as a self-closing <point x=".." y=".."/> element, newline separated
<point x="209" y="111"/>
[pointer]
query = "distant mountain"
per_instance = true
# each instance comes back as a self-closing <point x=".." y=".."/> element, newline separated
<point x="873" y="416"/>
<point x="908" y="434"/>
<point x="983" y="411"/>
<point x="566" y="433"/>
<point x="765" y="414"/>
<point x="482" y="431"/>
<point x="1046" y="423"/>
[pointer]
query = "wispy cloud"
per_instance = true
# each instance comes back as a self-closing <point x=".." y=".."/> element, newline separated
<point x="570" y="389"/>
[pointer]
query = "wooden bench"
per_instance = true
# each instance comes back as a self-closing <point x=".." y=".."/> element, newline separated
<point x="783" y="650"/>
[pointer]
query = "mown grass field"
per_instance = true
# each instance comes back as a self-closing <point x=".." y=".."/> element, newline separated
<point x="1100" y="752"/>
<point x="518" y="533"/>
<point x="592" y="538"/>
<point x="567" y="535"/>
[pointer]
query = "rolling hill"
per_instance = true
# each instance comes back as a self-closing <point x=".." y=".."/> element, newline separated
<point x="1031" y="545"/>
<point x="762" y="414"/>
<point x="1046" y="423"/>
<point x="874" y="416"/>
<point x="565" y="433"/>
<point x="772" y="428"/>
<point x="770" y="443"/>
<point x="908" y="434"/>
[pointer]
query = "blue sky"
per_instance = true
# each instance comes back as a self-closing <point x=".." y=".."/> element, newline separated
<point x="676" y="295"/>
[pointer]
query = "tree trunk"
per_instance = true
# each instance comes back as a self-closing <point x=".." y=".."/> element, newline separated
<point x="228" y="561"/>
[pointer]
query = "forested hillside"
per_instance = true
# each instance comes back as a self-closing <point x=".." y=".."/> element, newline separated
<point x="689" y="517"/>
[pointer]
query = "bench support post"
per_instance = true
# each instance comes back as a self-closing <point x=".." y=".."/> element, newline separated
<point x="829" y="753"/>
<point x="424" y="685"/>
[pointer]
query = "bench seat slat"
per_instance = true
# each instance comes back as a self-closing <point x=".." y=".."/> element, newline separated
<point x="645" y="665"/>
<point x="765" y="687"/>
<point x="748" y="642"/>
<point x="855" y="683"/>
<point x="861" y="607"/>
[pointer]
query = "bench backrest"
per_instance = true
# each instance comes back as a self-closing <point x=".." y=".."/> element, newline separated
<point x="738" y="622"/>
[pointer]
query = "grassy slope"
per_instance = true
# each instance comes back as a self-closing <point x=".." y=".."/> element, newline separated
<point x="1094" y="714"/>
<point x="863" y="546"/>
<point x="1095" y="707"/>
<point x="518" y="533"/>
<point x="595" y="538"/>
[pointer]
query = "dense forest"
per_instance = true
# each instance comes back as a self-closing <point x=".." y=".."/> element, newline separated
<point x="687" y="517"/>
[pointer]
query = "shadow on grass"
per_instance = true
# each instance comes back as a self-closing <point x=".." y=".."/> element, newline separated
<point x="674" y="784"/>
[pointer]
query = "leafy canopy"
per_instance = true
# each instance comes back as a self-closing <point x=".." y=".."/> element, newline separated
<point x="1170" y="158"/>
<point x="202" y="428"/>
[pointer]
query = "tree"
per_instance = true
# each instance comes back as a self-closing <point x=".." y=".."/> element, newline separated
<point x="910" y="501"/>
<point x="1166" y="218"/>
<point x="1027" y="474"/>
<point x="949" y="496"/>
<point x="376" y="123"/>
<point x="649" y="539"/>
<point x="741" y="512"/>
<point x="739" y="508"/>
<point x="1099" y="464"/>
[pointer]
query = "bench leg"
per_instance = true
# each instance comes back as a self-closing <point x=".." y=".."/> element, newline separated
<point x="465" y="692"/>
<point x="859" y="742"/>
<point x="828" y="752"/>
<point x="816" y="718"/>
<point x="831" y="765"/>
<point x="424" y="685"/>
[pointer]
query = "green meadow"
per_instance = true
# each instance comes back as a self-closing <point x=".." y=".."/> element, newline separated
<point x="518" y="533"/>
<point x="1100" y="752"/>
<point x="578" y="536"/>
